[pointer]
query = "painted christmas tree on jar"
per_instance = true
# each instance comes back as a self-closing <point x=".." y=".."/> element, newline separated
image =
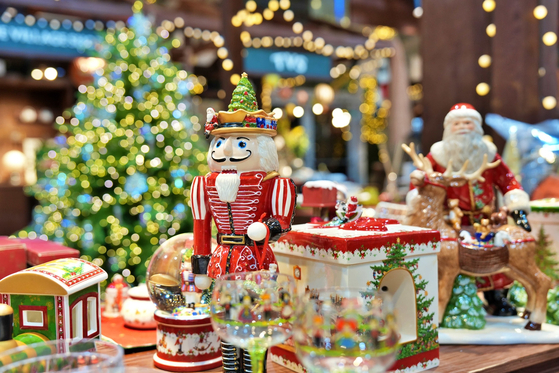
<point x="243" y="96"/>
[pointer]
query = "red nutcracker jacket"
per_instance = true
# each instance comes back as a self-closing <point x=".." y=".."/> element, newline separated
<point x="259" y="193"/>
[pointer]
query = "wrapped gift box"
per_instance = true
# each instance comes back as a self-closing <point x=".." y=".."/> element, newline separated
<point x="40" y="251"/>
<point x="12" y="256"/>
<point x="381" y="254"/>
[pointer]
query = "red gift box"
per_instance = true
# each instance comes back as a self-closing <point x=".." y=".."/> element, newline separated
<point x="12" y="256"/>
<point x="39" y="251"/>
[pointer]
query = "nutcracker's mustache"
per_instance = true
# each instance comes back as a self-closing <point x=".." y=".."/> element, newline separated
<point x="231" y="159"/>
<point x="241" y="159"/>
<point x="219" y="160"/>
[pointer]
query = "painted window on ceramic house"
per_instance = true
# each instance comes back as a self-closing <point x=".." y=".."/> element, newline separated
<point x="77" y="321"/>
<point x="92" y="315"/>
<point x="33" y="318"/>
<point x="85" y="317"/>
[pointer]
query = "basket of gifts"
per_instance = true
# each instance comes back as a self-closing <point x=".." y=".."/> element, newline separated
<point x="483" y="253"/>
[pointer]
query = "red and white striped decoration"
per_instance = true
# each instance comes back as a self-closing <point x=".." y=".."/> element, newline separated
<point x="197" y="198"/>
<point x="282" y="203"/>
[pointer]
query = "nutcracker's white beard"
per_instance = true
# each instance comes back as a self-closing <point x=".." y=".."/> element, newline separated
<point x="462" y="147"/>
<point x="227" y="185"/>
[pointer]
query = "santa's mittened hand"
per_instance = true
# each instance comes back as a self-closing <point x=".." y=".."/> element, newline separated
<point x="521" y="219"/>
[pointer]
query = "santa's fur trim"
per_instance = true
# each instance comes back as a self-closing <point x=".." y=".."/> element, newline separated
<point x="517" y="199"/>
<point x="438" y="153"/>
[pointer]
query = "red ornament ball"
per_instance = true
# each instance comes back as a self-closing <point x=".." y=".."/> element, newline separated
<point x="242" y="101"/>
<point x="246" y="93"/>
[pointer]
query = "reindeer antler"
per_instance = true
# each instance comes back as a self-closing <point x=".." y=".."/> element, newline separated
<point x="419" y="161"/>
<point x="476" y="175"/>
<point x="449" y="174"/>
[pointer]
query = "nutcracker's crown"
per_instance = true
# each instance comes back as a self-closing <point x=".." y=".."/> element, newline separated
<point x="243" y="114"/>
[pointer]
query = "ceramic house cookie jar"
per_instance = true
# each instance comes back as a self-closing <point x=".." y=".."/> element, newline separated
<point x="371" y="253"/>
<point x="55" y="300"/>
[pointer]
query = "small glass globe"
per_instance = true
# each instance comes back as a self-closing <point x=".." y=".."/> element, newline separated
<point x="168" y="276"/>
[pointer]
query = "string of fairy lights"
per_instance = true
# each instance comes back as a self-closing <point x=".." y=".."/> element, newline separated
<point x="250" y="16"/>
<point x="373" y="125"/>
<point x="305" y="38"/>
<point x="549" y="38"/>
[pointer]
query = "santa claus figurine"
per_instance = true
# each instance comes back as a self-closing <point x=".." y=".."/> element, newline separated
<point x="244" y="195"/>
<point x="463" y="141"/>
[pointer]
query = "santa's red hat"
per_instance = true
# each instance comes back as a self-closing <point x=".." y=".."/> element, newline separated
<point x="463" y="110"/>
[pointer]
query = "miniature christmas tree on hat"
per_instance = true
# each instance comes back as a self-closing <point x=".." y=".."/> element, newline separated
<point x="243" y="96"/>
<point x="242" y="115"/>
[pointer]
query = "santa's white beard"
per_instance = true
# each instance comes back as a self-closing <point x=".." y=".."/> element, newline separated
<point x="462" y="147"/>
<point x="227" y="185"/>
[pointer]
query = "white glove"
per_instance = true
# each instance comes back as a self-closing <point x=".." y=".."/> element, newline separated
<point x="257" y="231"/>
<point x="202" y="282"/>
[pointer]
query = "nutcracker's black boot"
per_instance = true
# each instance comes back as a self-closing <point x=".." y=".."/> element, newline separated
<point x="247" y="366"/>
<point x="498" y="304"/>
<point x="231" y="357"/>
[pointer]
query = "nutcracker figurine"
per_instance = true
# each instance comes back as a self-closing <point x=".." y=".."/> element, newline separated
<point x="248" y="201"/>
<point x="463" y="145"/>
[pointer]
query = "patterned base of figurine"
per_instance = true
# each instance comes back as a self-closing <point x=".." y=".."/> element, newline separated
<point x="285" y="356"/>
<point x="500" y="331"/>
<point x="176" y="366"/>
<point x="186" y="344"/>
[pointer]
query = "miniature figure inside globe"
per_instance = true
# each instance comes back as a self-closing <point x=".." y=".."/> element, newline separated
<point x="169" y="280"/>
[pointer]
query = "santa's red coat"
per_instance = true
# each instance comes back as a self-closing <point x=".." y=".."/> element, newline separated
<point x="474" y="196"/>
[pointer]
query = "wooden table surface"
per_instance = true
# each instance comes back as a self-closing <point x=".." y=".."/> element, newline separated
<point x="453" y="359"/>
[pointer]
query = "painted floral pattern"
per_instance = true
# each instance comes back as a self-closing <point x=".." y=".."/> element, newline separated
<point x="185" y="344"/>
<point x="351" y="257"/>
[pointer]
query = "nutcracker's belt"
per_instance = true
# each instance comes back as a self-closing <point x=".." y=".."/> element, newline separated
<point x="234" y="239"/>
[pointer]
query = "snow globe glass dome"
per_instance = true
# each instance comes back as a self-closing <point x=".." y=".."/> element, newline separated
<point x="168" y="265"/>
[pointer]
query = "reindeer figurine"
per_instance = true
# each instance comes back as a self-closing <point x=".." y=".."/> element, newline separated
<point x="427" y="210"/>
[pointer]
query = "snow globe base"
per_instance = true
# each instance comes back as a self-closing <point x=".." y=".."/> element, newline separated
<point x="186" y="343"/>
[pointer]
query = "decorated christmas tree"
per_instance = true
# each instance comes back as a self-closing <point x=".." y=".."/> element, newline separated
<point x="243" y="96"/>
<point x="465" y="309"/>
<point x="427" y="331"/>
<point x="117" y="185"/>
<point x="517" y="295"/>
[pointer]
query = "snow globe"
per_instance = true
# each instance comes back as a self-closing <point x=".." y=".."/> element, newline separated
<point x="185" y="337"/>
